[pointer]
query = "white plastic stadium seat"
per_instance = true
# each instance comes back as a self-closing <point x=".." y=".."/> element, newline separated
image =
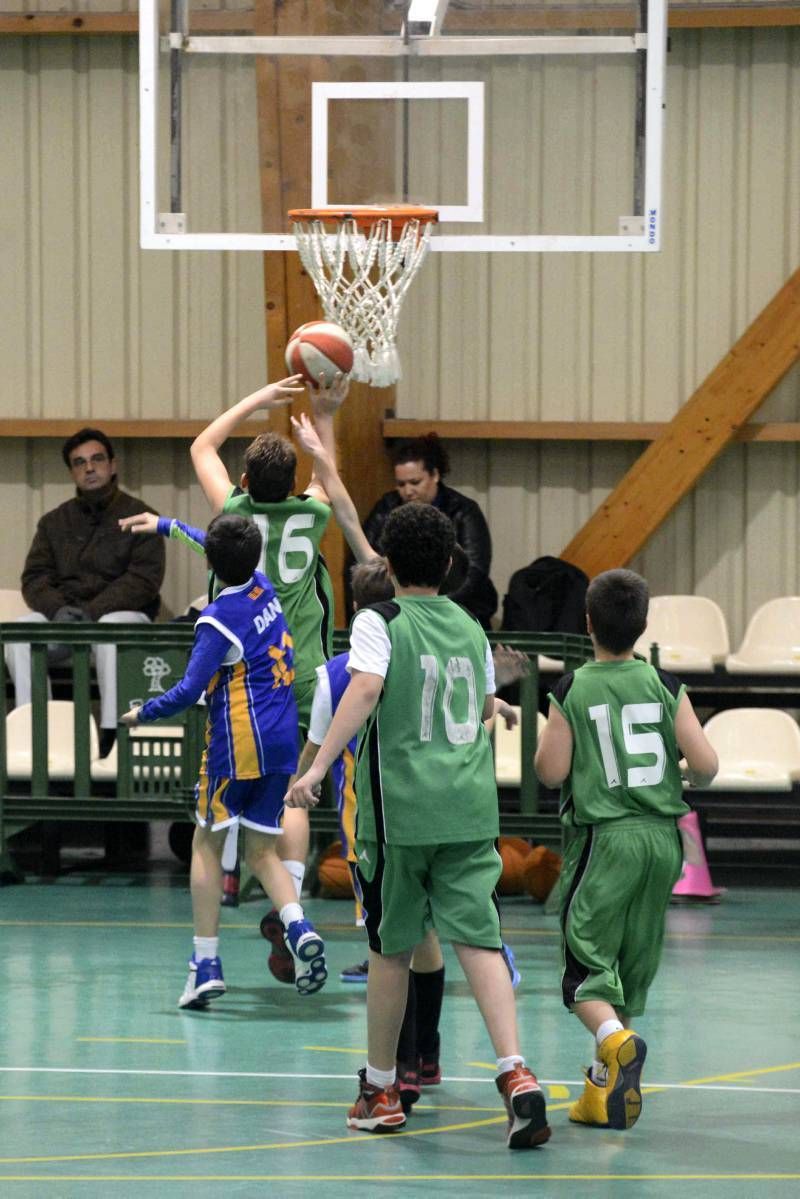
<point x="772" y="640"/>
<point x="508" y="749"/>
<point x="60" y="740"/>
<point x="104" y="770"/>
<point x="690" y="630"/>
<point x="758" y="749"/>
<point x="12" y="605"/>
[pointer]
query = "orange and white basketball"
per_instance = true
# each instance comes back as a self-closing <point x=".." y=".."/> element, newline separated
<point x="319" y="348"/>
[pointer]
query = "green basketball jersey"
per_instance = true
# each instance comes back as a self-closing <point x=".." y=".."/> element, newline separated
<point x="625" y="756"/>
<point x="424" y="765"/>
<point x="291" y="531"/>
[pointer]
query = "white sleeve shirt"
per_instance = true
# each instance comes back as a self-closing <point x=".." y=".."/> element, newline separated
<point x="321" y="708"/>
<point x="371" y="649"/>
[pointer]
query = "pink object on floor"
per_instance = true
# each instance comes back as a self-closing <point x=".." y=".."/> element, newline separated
<point x="695" y="881"/>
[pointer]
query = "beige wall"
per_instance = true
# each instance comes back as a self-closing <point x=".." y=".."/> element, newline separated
<point x="93" y="328"/>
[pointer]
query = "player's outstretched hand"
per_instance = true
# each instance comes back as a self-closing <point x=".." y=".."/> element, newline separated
<point x="142" y="522"/>
<point x="307" y="435"/>
<point x="509" y="714"/>
<point x="130" y="718"/>
<point x="328" y="398"/>
<point x="509" y="665"/>
<point x="304" y="792"/>
<point x="278" y="395"/>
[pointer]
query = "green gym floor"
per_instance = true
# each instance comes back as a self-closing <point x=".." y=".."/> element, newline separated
<point x="107" y="1089"/>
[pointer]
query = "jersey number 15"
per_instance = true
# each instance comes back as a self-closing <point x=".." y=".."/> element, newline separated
<point x="636" y="744"/>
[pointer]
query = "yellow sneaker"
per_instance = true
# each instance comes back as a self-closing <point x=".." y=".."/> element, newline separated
<point x="623" y="1053"/>
<point x="591" y="1107"/>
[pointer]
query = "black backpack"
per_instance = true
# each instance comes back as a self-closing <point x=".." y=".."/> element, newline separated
<point x="549" y="596"/>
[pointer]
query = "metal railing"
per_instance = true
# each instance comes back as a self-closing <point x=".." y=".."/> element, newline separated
<point x="155" y="774"/>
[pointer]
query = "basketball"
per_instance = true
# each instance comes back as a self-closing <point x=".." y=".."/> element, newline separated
<point x="334" y="874"/>
<point x="514" y="852"/>
<point x="540" y="872"/>
<point x="319" y="348"/>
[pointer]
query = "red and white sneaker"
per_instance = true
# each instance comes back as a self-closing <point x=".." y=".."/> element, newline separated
<point x="428" y="1069"/>
<point x="375" y="1110"/>
<point x="280" y="960"/>
<point x="527" y="1113"/>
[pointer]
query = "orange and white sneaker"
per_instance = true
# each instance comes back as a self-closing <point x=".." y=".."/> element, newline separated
<point x="527" y="1113"/>
<point x="376" y="1110"/>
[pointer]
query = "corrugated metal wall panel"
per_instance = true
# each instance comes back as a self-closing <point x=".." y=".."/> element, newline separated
<point x="98" y="329"/>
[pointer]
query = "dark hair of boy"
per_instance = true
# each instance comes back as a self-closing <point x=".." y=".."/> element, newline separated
<point x="457" y="573"/>
<point x="82" y="436"/>
<point x="418" y="541"/>
<point x="270" y="463"/>
<point x="370" y="583"/>
<point x="427" y="450"/>
<point x="233" y="548"/>
<point x="617" y="602"/>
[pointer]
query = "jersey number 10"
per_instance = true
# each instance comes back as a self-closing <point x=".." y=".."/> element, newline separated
<point x="458" y="732"/>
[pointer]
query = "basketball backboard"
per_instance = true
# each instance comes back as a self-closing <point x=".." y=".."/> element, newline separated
<point x="530" y="126"/>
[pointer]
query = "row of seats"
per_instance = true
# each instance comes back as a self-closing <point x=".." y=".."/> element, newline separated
<point x="61" y="746"/>
<point x="758" y="750"/>
<point x="692" y="634"/>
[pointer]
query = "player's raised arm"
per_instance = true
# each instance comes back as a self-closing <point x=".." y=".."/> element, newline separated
<point x="211" y="471"/>
<point x="335" y="491"/>
<point x="325" y="402"/>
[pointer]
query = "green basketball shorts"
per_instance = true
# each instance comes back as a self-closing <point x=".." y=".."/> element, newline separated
<point x="407" y="889"/>
<point x="615" y="886"/>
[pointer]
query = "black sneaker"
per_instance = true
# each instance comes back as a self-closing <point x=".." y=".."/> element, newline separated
<point x="355" y="974"/>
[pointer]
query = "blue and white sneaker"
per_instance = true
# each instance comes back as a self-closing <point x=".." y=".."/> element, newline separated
<point x="308" y="950"/>
<point x="205" y="982"/>
<point x="511" y="965"/>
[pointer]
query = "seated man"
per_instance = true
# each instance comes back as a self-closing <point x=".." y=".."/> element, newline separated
<point x="82" y="567"/>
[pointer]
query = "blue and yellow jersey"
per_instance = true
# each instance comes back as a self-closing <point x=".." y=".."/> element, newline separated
<point x="243" y="659"/>
<point x="343" y="769"/>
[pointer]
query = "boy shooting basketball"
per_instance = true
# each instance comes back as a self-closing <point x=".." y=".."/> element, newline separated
<point x="616" y="730"/>
<point x="422" y="681"/>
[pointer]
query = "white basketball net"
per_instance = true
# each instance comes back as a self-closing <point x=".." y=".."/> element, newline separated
<point x="361" y="280"/>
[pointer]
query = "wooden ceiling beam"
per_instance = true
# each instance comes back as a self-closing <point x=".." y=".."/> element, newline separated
<point x="674" y="462"/>
<point x="501" y="21"/>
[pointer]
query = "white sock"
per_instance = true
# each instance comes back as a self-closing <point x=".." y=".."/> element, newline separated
<point x="298" y="872"/>
<point x="205" y="947"/>
<point x="606" y="1029"/>
<point x="230" y="850"/>
<point x="289" y="913"/>
<point x="381" y="1078"/>
<point x="504" y="1064"/>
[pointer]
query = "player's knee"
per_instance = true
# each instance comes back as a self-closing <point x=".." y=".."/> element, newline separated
<point x="259" y="853"/>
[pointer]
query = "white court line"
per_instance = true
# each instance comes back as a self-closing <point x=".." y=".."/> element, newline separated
<point x="741" y="1088"/>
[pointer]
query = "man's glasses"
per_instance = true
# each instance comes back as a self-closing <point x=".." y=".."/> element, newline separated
<point x="95" y="460"/>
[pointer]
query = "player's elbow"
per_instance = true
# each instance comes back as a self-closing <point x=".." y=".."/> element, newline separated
<point x="703" y="767"/>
